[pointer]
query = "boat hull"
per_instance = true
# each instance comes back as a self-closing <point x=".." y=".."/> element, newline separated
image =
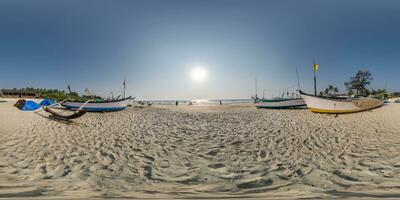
<point x="340" y="106"/>
<point x="98" y="106"/>
<point x="281" y="103"/>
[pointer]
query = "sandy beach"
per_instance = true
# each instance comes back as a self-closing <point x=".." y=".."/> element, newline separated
<point x="206" y="151"/>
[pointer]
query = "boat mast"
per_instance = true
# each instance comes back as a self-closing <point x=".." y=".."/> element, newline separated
<point x="386" y="84"/>
<point x="69" y="89"/>
<point x="124" y="88"/>
<point x="263" y="93"/>
<point x="315" y="84"/>
<point x="298" y="80"/>
<point x="315" y="68"/>
<point x="256" y="87"/>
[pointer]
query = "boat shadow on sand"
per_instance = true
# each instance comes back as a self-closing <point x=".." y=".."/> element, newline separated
<point x="284" y="108"/>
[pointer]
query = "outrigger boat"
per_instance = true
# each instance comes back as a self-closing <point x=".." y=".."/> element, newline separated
<point x="281" y="103"/>
<point x="333" y="105"/>
<point x="98" y="106"/>
<point x="60" y="115"/>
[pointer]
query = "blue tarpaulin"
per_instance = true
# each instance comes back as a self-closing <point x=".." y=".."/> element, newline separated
<point x="47" y="102"/>
<point x="30" y="105"/>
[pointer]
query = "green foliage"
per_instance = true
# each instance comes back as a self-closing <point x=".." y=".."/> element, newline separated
<point x="330" y="90"/>
<point x="56" y="94"/>
<point x="380" y="93"/>
<point x="396" y="94"/>
<point x="359" y="83"/>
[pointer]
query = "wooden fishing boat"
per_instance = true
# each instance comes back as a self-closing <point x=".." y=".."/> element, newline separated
<point x="281" y="103"/>
<point x="98" y="106"/>
<point x="320" y="104"/>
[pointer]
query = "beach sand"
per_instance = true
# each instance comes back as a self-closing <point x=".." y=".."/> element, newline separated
<point x="205" y="151"/>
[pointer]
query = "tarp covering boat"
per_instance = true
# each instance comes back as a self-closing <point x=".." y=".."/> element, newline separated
<point x="27" y="105"/>
<point x="47" y="102"/>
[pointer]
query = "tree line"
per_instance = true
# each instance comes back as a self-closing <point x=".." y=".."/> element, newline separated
<point x="58" y="94"/>
<point x="357" y="85"/>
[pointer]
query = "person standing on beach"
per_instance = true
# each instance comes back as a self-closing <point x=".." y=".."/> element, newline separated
<point x="220" y="102"/>
<point x="176" y="103"/>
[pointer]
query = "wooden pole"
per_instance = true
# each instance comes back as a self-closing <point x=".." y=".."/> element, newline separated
<point x="124" y="88"/>
<point x="315" y="78"/>
<point x="263" y="93"/>
<point x="315" y="84"/>
<point x="256" y="87"/>
<point x="298" y="80"/>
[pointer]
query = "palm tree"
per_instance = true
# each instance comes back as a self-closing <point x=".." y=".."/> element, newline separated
<point x="336" y="90"/>
<point x="330" y="90"/>
<point x="326" y="92"/>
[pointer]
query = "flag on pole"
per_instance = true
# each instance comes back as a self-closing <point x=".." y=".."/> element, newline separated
<point x="315" y="67"/>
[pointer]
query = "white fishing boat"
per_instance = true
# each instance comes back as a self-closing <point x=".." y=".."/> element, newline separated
<point x="281" y="103"/>
<point x="320" y="104"/>
<point x="98" y="106"/>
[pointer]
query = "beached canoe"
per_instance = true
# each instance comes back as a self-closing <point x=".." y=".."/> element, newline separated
<point x="281" y="103"/>
<point x="320" y="104"/>
<point x="113" y="105"/>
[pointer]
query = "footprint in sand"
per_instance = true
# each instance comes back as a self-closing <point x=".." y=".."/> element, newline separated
<point x="255" y="184"/>
<point x="216" y="165"/>
<point x="164" y="164"/>
<point x="61" y="170"/>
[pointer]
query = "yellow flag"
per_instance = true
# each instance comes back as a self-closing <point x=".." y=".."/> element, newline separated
<point x="315" y="67"/>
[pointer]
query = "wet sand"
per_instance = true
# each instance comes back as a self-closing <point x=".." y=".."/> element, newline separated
<point x="206" y="151"/>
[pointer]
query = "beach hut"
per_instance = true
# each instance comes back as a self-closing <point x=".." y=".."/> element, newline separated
<point x="14" y="93"/>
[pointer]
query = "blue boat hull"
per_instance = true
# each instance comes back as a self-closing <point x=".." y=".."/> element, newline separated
<point x="97" y="109"/>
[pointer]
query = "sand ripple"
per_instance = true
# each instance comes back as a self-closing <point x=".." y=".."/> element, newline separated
<point x="202" y="151"/>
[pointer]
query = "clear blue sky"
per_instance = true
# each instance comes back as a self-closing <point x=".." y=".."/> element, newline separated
<point x="154" y="44"/>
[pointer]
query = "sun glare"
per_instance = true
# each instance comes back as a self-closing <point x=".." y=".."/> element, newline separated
<point x="198" y="74"/>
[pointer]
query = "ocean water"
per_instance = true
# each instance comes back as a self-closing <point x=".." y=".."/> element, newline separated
<point x="200" y="102"/>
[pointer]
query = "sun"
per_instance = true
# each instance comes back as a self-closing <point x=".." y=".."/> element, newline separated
<point x="198" y="74"/>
